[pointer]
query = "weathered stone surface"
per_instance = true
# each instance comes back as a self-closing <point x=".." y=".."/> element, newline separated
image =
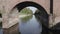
<point x="7" y="5"/>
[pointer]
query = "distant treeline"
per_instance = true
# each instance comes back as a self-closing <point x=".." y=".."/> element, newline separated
<point x="26" y="11"/>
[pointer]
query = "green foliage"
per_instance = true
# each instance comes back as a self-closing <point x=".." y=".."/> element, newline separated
<point x="27" y="18"/>
<point x="26" y="11"/>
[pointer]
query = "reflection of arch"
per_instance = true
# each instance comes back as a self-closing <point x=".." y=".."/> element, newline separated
<point x="22" y="5"/>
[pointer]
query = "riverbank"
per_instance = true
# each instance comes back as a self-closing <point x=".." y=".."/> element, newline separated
<point x="22" y="16"/>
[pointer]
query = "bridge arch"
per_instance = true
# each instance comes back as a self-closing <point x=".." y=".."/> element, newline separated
<point x="24" y="4"/>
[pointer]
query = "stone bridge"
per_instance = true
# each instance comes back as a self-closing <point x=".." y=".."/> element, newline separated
<point x="10" y="13"/>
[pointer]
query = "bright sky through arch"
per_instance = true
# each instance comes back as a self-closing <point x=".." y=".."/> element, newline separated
<point x="32" y="8"/>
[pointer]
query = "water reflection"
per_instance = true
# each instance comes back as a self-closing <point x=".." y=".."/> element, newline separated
<point x="30" y="27"/>
<point x="25" y="19"/>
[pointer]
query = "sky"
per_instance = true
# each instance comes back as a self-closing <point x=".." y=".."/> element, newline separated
<point x="33" y="9"/>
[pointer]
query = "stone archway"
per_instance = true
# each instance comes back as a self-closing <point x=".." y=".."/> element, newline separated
<point x="22" y="5"/>
<point x="13" y="13"/>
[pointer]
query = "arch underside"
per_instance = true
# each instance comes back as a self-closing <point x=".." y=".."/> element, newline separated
<point x="45" y="15"/>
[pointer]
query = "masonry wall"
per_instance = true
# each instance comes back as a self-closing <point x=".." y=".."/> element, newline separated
<point x="9" y="4"/>
<point x="8" y="19"/>
<point x="56" y="11"/>
<point x="56" y="7"/>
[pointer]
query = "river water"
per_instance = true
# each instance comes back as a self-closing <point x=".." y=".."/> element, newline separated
<point x="30" y="25"/>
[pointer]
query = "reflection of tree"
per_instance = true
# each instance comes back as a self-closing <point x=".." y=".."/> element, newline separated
<point x="27" y="18"/>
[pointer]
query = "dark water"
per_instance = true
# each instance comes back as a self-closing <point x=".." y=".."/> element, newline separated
<point x="1" y="30"/>
<point x="30" y="25"/>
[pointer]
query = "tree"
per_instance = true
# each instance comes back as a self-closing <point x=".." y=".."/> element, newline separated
<point x="26" y="11"/>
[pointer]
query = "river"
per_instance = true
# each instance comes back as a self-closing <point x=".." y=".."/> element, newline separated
<point x="30" y="25"/>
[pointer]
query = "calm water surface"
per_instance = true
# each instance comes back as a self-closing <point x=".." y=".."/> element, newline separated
<point x="30" y="25"/>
